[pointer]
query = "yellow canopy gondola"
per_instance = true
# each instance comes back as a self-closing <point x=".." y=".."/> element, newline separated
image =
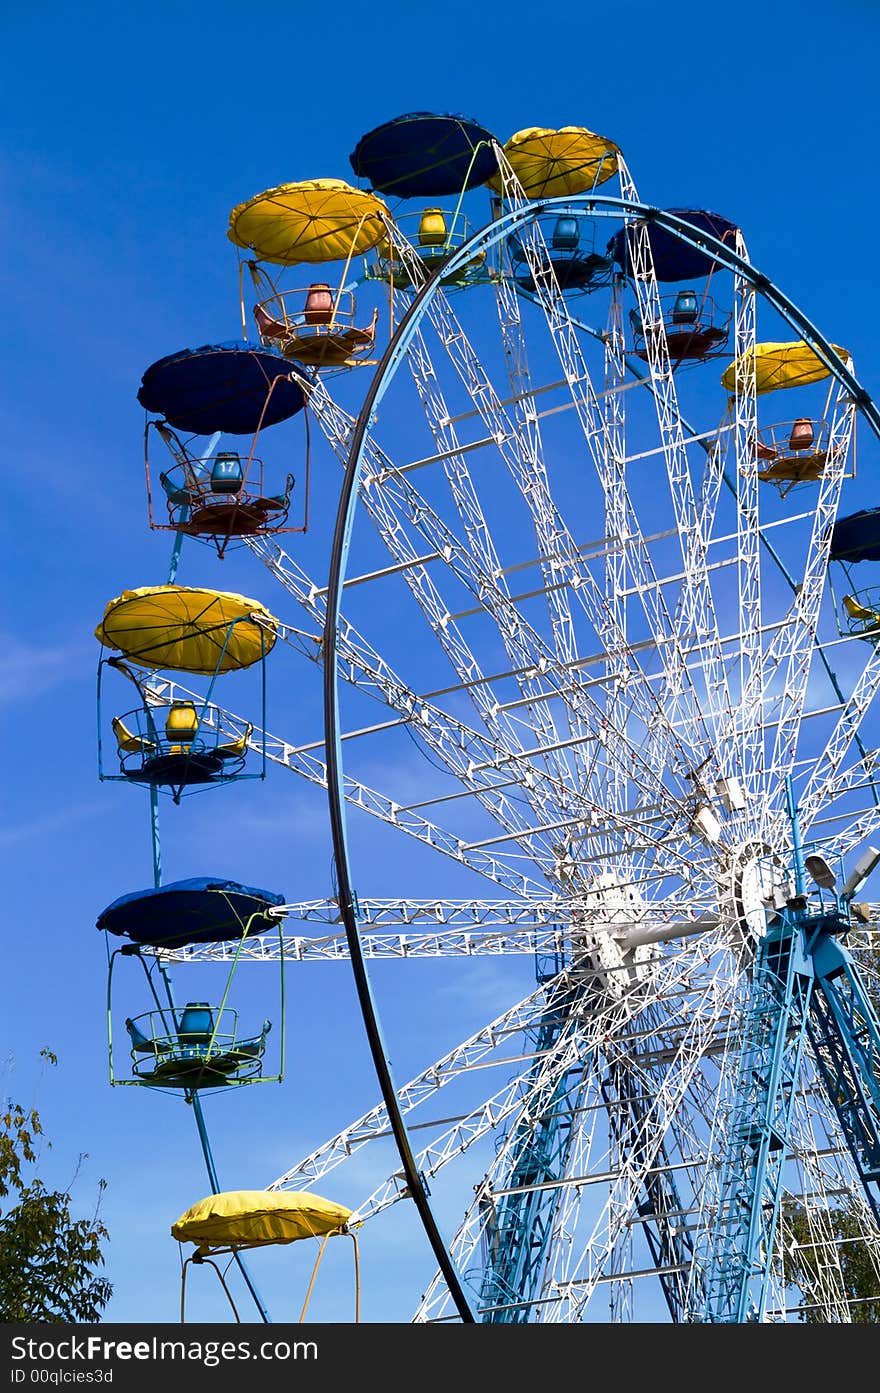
<point x="780" y="365"/>
<point x="553" y="163"/>
<point x="313" y="220"/>
<point x="187" y="629"/>
<point x="239" y="1219"/>
<point x="254" y="1218"/>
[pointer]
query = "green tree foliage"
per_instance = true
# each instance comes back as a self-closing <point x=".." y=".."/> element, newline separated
<point x="804" y="1258"/>
<point x="48" y="1259"/>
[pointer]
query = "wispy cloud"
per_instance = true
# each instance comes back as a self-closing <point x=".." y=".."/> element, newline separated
<point x="16" y="833"/>
<point x="28" y="670"/>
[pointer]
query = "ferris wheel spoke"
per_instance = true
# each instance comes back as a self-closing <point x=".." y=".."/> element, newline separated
<point x="665" y="1208"/>
<point x="518" y="442"/>
<point x="575" y="1045"/>
<point x="859" y="829"/>
<point x="542" y="1164"/>
<point x="616" y="570"/>
<point x="744" y="403"/>
<point x="457" y="746"/>
<point x="559" y="544"/>
<point x="531" y="915"/>
<point x="476" y="529"/>
<point x="528" y="428"/>
<point x="477" y="928"/>
<point x="676" y="729"/>
<point x="599" y="435"/>
<point x="679" y="651"/>
<point x="483" y="1119"/>
<point x="497" y="867"/>
<point x="695" y="610"/>
<point x="524" y="460"/>
<point x="856" y="778"/>
<point x="362" y="658"/>
<point x="393" y="500"/>
<point x="534" y="652"/>
<point x="802" y="630"/>
<point x="694" y="693"/>
<point x="621" y="1097"/>
<point x="471" y="1054"/>
<point x="825" y="766"/>
<point x="390" y="499"/>
<point x="451" y="943"/>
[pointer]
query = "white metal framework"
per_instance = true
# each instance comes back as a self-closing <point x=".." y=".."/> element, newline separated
<point x="584" y="647"/>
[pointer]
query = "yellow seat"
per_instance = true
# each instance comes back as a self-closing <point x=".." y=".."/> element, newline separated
<point x="859" y="612"/>
<point x="129" y="743"/>
<point x="234" y="749"/>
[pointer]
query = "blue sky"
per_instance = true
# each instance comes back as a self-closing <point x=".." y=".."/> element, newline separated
<point x="130" y="133"/>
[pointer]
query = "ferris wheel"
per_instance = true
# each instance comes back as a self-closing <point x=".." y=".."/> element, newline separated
<point x="591" y="678"/>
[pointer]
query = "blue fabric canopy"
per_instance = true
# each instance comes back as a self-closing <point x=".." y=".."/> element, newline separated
<point x="674" y="260"/>
<point x="204" y="909"/>
<point x="423" y="155"/>
<point x="222" y="386"/>
<point x="857" y="537"/>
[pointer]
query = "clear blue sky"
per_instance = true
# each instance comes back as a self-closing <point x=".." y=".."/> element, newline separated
<point x="130" y="132"/>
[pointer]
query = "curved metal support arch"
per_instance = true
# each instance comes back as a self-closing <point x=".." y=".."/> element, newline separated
<point x="501" y="227"/>
<point x="607" y="206"/>
<point x="335" y="781"/>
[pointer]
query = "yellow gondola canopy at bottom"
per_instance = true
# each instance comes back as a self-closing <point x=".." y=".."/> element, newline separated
<point x="187" y="629"/>
<point x="553" y="163"/>
<point x="313" y="220"/>
<point x="779" y="365"/>
<point x="254" y="1218"/>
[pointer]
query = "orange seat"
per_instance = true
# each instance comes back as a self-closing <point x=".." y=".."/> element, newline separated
<point x="269" y="327"/>
<point x="766" y="452"/>
<point x="802" y="435"/>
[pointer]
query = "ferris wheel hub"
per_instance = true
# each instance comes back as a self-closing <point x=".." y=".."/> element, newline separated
<point x="760" y="882"/>
<point x="601" y="924"/>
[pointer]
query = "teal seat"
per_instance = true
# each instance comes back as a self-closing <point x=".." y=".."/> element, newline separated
<point x="227" y="473"/>
<point x="139" y="1041"/>
<point x="177" y="495"/>
<point x="281" y="500"/>
<point x="196" y="1025"/>
<point x="685" y="310"/>
<point x="565" y="235"/>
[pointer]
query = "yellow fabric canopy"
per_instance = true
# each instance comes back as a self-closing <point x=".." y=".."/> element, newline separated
<point x="250" y="1218"/>
<point x="780" y="365"/>
<point x="172" y="626"/>
<point x="313" y="220"/>
<point x="551" y="163"/>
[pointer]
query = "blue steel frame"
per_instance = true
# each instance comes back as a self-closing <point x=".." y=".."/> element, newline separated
<point x="806" y="989"/>
<point x="595" y="204"/>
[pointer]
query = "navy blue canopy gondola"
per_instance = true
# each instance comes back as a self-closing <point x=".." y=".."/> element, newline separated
<point x="857" y="537"/>
<point x="203" y="909"/>
<point x="229" y="387"/>
<point x="424" y="155"/>
<point x="673" y="259"/>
